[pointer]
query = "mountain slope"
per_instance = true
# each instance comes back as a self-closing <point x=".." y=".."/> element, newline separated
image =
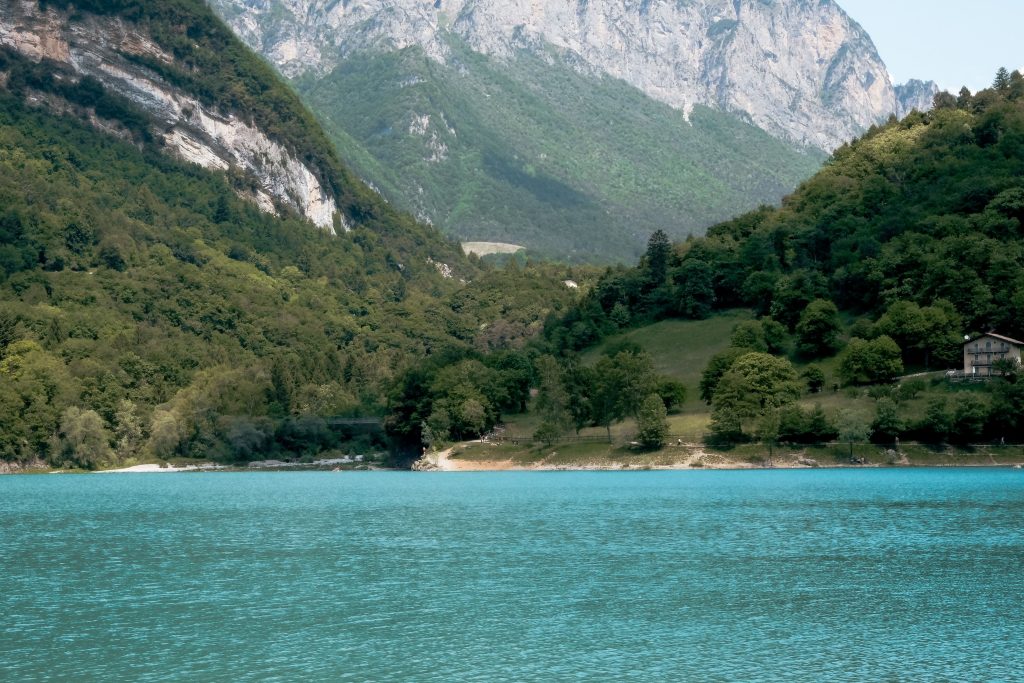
<point x="921" y="213"/>
<point x="581" y="166"/>
<point x="801" y="70"/>
<point x="150" y="308"/>
<point x="198" y="88"/>
<point x="578" y="130"/>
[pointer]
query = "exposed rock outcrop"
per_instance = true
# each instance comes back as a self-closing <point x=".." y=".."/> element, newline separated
<point x="107" y="49"/>
<point x="803" y="71"/>
<point x="915" y="94"/>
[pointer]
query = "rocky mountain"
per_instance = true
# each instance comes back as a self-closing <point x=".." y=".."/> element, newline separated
<point x="802" y="70"/>
<point x="124" y="58"/>
<point x="578" y="128"/>
<point x="915" y="94"/>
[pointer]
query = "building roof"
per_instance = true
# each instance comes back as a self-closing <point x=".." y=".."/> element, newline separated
<point x="995" y="336"/>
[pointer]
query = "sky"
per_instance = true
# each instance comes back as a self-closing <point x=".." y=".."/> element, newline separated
<point x="951" y="42"/>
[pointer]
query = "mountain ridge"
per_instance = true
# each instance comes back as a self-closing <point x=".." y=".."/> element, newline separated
<point x="578" y="129"/>
<point x="569" y="164"/>
<point x="805" y="72"/>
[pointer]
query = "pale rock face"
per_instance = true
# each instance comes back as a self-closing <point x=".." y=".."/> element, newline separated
<point x="801" y="70"/>
<point x="210" y="139"/>
<point x="443" y="268"/>
<point x="915" y="94"/>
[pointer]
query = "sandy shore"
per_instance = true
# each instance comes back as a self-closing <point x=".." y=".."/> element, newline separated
<point x="146" y="469"/>
<point x="690" y="456"/>
<point x="510" y="466"/>
<point x="442" y="461"/>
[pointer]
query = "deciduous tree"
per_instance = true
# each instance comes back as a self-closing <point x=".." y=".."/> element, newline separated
<point x="818" y="329"/>
<point x="83" y="440"/>
<point x="652" y="423"/>
<point x="870" y="362"/>
<point x="755" y="385"/>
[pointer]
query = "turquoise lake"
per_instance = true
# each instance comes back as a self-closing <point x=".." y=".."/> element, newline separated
<point x="816" y="575"/>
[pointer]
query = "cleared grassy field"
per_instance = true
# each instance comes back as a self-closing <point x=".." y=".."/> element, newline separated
<point x="680" y="349"/>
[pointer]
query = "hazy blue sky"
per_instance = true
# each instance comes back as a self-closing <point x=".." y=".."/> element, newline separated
<point x="952" y="42"/>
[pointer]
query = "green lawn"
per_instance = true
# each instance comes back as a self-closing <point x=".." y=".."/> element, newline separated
<point x="680" y="349"/>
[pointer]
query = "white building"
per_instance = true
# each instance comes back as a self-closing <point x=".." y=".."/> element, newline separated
<point x="981" y="352"/>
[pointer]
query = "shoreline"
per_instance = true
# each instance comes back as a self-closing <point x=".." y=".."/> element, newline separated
<point x="507" y="466"/>
<point x="698" y="458"/>
<point x="477" y="456"/>
<point x="153" y="468"/>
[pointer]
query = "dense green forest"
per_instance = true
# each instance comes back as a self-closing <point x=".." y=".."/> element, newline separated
<point x="926" y="211"/>
<point x="912" y="234"/>
<point x="146" y="311"/>
<point x="907" y="239"/>
<point x="149" y="312"/>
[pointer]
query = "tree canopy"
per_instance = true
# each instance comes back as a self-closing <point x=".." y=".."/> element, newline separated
<point x="926" y="211"/>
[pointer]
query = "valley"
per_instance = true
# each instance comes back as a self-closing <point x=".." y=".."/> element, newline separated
<point x="577" y="132"/>
<point x="158" y="308"/>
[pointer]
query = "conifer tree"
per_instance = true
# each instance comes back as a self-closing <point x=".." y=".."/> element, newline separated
<point x="1002" y="80"/>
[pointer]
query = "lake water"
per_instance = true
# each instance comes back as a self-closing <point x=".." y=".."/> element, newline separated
<point x="820" y="575"/>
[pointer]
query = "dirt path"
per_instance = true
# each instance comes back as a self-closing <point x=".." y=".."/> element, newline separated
<point x="445" y="463"/>
<point x="443" y="460"/>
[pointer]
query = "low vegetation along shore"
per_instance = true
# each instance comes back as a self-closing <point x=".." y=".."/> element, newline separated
<point x="177" y="465"/>
<point x="491" y="456"/>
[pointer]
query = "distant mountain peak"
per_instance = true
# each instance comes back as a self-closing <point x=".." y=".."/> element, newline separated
<point x="915" y="94"/>
<point x="803" y="71"/>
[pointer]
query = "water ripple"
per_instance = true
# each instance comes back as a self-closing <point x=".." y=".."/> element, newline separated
<point x="678" y="576"/>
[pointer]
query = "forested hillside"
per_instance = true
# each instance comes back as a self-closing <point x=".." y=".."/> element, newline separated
<point x="906" y="240"/>
<point x="923" y="210"/>
<point x="148" y="311"/>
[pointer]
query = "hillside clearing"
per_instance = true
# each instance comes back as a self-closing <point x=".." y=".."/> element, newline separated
<point x="680" y="349"/>
<point x="488" y="248"/>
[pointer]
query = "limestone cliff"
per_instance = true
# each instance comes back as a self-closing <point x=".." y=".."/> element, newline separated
<point x="801" y="70"/>
<point x="915" y="94"/>
<point x="114" y="52"/>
